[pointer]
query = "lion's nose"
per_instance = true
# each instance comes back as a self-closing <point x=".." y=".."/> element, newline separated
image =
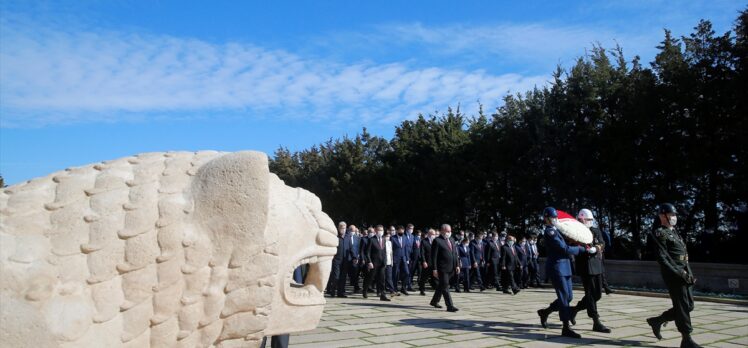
<point x="325" y="238"/>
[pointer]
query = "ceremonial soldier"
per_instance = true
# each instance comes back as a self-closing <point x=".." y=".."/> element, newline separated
<point x="671" y="253"/>
<point x="558" y="268"/>
<point x="590" y="269"/>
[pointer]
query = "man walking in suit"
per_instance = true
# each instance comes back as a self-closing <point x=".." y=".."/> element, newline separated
<point x="590" y="269"/>
<point x="444" y="260"/>
<point x="509" y="263"/>
<point x="466" y="262"/>
<point x="493" y="257"/>
<point x="364" y="245"/>
<point x="415" y="254"/>
<point x="558" y="268"/>
<point x="375" y="258"/>
<point x="532" y="265"/>
<point x="336" y="282"/>
<point x="425" y="263"/>
<point x="353" y="260"/>
<point x="477" y="248"/>
<point x="400" y="259"/>
<point x="521" y="274"/>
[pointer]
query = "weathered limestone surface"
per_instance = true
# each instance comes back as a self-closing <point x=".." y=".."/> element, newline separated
<point x="177" y="249"/>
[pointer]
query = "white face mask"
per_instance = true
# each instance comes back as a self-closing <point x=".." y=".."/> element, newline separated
<point x="588" y="224"/>
<point x="511" y="243"/>
<point x="380" y="233"/>
<point x="673" y="220"/>
<point x="448" y="235"/>
<point x="554" y="221"/>
<point x="431" y="238"/>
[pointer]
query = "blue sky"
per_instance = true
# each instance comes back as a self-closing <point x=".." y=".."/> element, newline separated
<point x="85" y="81"/>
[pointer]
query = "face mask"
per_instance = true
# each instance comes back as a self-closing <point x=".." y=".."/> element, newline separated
<point x="371" y="234"/>
<point x="464" y="244"/>
<point x="532" y="242"/>
<point x="495" y="239"/>
<point x="673" y="220"/>
<point x="522" y="243"/>
<point x="380" y="233"/>
<point x="410" y="231"/>
<point x="431" y="238"/>
<point x="511" y="243"/>
<point x="400" y="233"/>
<point x="448" y="234"/>
<point x="554" y="221"/>
<point x="588" y="224"/>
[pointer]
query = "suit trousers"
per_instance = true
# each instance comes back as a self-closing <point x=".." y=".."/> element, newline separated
<point x="388" y="283"/>
<point x="442" y="289"/>
<point x="564" y="295"/>
<point x="593" y="285"/>
<point x="353" y="275"/>
<point x="345" y="270"/>
<point x="465" y="278"/>
<point x="533" y="272"/>
<point x="413" y="268"/>
<point x="475" y="276"/>
<point x="426" y="276"/>
<point x="400" y="274"/>
<point x="335" y="271"/>
<point x="493" y="275"/>
<point x="508" y="276"/>
<point x="376" y="274"/>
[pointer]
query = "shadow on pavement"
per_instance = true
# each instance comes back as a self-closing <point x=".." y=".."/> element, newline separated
<point x="515" y="330"/>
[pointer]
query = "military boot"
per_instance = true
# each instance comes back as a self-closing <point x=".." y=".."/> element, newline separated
<point x="568" y="332"/>
<point x="687" y="342"/>
<point x="573" y="318"/>
<point x="656" y="324"/>
<point x="597" y="326"/>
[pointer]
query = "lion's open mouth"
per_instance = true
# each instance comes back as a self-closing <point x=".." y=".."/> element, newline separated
<point x="310" y="292"/>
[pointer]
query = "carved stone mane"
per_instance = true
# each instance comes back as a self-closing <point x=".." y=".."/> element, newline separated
<point x="160" y="249"/>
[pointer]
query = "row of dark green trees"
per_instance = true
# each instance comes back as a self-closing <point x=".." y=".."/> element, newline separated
<point x="610" y="134"/>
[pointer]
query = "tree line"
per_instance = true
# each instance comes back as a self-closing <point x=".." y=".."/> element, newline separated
<point x="610" y="134"/>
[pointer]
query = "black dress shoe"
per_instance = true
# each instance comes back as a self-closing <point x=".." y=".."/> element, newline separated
<point x="410" y="289"/>
<point x="482" y="289"/>
<point x="342" y="296"/>
<point x="467" y="290"/>
<point x="405" y="293"/>
<point x="568" y="332"/>
<point x="384" y="298"/>
<point x="507" y="292"/>
<point x="452" y="309"/>
<point x="365" y="296"/>
<point x="457" y="290"/>
<point x="543" y="318"/>
<point x="423" y="293"/>
<point x="436" y="305"/>
<point x="515" y="291"/>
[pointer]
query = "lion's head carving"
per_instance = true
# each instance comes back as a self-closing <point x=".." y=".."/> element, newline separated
<point x="161" y="249"/>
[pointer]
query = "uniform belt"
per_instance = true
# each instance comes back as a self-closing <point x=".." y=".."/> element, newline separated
<point x="682" y="257"/>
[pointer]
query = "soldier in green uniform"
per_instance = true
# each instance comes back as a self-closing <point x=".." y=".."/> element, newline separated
<point x="671" y="253"/>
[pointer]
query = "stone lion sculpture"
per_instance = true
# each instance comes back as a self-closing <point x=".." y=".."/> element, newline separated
<point x="177" y="249"/>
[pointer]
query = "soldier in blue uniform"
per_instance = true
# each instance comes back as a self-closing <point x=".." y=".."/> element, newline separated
<point x="672" y="256"/>
<point x="558" y="268"/>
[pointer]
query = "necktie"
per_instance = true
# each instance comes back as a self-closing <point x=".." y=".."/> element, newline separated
<point x="400" y="241"/>
<point x="450" y="245"/>
<point x="513" y="253"/>
<point x="380" y="243"/>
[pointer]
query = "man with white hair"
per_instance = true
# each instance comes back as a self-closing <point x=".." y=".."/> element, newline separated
<point x="590" y="269"/>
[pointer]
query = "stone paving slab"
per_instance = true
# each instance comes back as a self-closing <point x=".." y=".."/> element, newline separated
<point x="494" y="319"/>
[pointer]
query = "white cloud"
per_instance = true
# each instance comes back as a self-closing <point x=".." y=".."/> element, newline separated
<point x="58" y="75"/>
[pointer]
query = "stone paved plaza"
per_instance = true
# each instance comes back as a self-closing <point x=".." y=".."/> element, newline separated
<point x="493" y="319"/>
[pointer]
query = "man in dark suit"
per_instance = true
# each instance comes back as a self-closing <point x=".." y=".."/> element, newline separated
<point x="523" y="255"/>
<point x="466" y="262"/>
<point x="444" y="260"/>
<point x="400" y="260"/>
<point x="590" y="269"/>
<point x="424" y="262"/>
<point x="363" y="246"/>
<point x="336" y="282"/>
<point x="477" y="248"/>
<point x="493" y="257"/>
<point x="509" y="262"/>
<point x="353" y="262"/>
<point x="532" y="264"/>
<point x="415" y="255"/>
<point x="375" y="258"/>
